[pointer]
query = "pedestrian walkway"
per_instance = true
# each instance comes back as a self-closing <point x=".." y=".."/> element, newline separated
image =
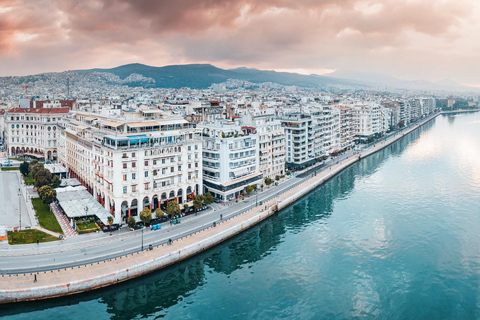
<point x="63" y="221"/>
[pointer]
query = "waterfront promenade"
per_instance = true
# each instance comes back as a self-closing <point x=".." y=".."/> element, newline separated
<point x="87" y="277"/>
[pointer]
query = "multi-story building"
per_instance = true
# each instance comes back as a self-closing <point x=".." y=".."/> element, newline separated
<point x="131" y="164"/>
<point x="368" y="121"/>
<point x="271" y="138"/>
<point x="347" y="126"/>
<point x="33" y="132"/>
<point x="299" y="139"/>
<point x="230" y="159"/>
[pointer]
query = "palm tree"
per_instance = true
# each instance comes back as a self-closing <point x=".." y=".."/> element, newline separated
<point x="110" y="222"/>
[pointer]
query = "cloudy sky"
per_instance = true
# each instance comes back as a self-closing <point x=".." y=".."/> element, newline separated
<point x="410" y="39"/>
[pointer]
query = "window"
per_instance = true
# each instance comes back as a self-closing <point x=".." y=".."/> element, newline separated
<point x="124" y="189"/>
<point x="133" y="154"/>
<point x="196" y="164"/>
<point x="196" y="147"/>
<point x="172" y="159"/>
<point x="134" y="188"/>
<point x="124" y="177"/>
<point x="146" y="162"/>
<point x="189" y="148"/>
<point x="146" y="174"/>
<point x="124" y="155"/>
<point x="134" y="176"/>
<point x="189" y="166"/>
<point x="124" y="166"/>
<point x="179" y="168"/>
<point x="163" y="161"/>
<point x="134" y="164"/>
<point x="172" y="169"/>
<point x="146" y="186"/>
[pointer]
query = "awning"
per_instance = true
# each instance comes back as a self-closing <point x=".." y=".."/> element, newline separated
<point x="74" y="200"/>
<point x="142" y="124"/>
<point x="111" y="123"/>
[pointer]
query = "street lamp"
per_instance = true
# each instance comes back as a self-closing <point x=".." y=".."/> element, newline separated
<point x="256" y="197"/>
<point x="86" y="220"/>
<point x="142" y="238"/>
<point x="20" y="207"/>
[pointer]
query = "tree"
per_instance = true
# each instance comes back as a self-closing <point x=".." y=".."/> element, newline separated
<point x="186" y="207"/>
<point x="401" y="124"/>
<point x="47" y="194"/>
<point x="43" y="177"/>
<point x="32" y="164"/>
<point x="277" y="177"/>
<point x="268" y="181"/>
<point x="35" y="168"/>
<point x="198" y="202"/>
<point x="146" y="215"/>
<point x="24" y="168"/>
<point x="55" y="182"/>
<point x="249" y="189"/>
<point x="208" y="198"/>
<point x="131" y="222"/>
<point x="159" y="213"/>
<point x="110" y="222"/>
<point x="173" y="208"/>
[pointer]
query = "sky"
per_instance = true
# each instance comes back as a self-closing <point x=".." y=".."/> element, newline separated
<point x="408" y="39"/>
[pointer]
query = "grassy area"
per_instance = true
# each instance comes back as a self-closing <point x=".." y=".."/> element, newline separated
<point x="17" y="159"/>
<point x="92" y="226"/>
<point x="29" y="236"/>
<point x="46" y="218"/>
<point x="10" y="168"/>
<point x="29" y="181"/>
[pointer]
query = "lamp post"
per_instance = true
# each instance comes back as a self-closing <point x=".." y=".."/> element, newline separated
<point x="20" y="207"/>
<point x="256" y="197"/>
<point x="142" y="238"/>
<point x="86" y="220"/>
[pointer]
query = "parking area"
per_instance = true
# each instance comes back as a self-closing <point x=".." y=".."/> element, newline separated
<point x="9" y="200"/>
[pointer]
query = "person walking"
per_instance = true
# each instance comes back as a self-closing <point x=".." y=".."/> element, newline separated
<point x="35" y="278"/>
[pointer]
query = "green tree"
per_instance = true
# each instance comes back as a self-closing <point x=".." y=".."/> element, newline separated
<point x="24" y="168"/>
<point x="208" y="198"/>
<point x="159" y="213"/>
<point x="278" y="177"/>
<point x="131" y="222"/>
<point x="268" y="181"/>
<point x="146" y="215"/>
<point x="249" y="189"/>
<point x="43" y="177"/>
<point x="173" y="208"/>
<point x="198" y="202"/>
<point x="186" y="207"/>
<point x="55" y="181"/>
<point x="110" y="222"/>
<point x="47" y="194"/>
<point x="35" y="168"/>
<point x="401" y="124"/>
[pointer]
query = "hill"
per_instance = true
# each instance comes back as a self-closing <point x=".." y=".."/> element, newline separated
<point x="200" y="76"/>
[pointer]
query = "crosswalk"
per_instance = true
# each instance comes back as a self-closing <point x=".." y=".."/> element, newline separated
<point x="63" y="221"/>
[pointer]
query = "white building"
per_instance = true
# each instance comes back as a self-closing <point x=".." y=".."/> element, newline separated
<point x="131" y="164"/>
<point x="33" y="132"/>
<point x="230" y="159"/>
<point x="271" y="138"/>
<point x="299" y="139"/>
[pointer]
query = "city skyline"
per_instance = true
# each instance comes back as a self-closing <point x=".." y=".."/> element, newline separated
<point x="430" y="40"/>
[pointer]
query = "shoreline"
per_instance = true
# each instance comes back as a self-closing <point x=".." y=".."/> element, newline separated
<point x="57" y="283"/>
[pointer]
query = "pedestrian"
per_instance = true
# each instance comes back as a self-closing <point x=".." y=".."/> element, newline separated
<point x="35" y="278"/>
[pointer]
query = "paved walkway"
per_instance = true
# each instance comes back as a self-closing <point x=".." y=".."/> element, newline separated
<point x="63" y="221"/>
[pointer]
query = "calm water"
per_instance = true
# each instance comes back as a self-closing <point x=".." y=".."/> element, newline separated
<point x="396" y="236"/>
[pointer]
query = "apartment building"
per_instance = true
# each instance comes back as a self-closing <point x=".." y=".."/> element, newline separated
<point x="271" y="138"/>
<point x="230" y="159"/>
<point x="367" y="121"/>
<point x="131" y="164"/>
<point x="299" y="139"/>
<point x="347" y="126"/>
<point x="33" y="132"/>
